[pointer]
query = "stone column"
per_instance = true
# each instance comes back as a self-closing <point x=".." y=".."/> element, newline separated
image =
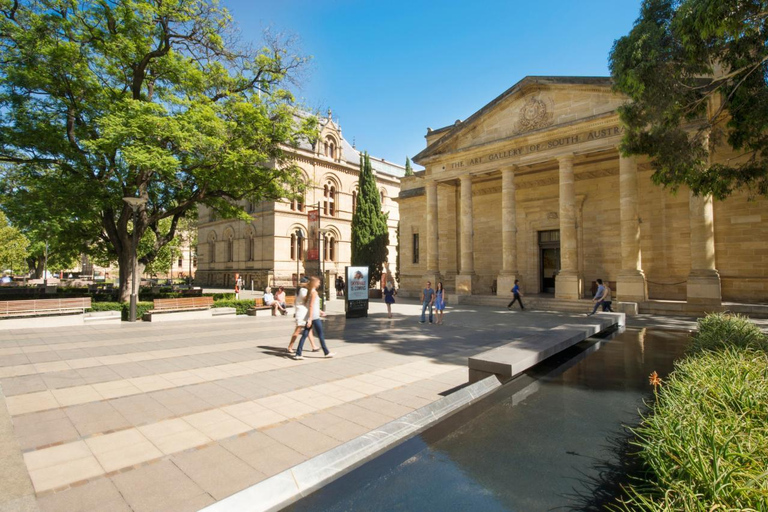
<point x="466" y="277"/>
<point x="568" y="284"/>
<point x="433" y="254"/>
<point x="506" y="279"/>
<point x="631" y="285"/>
<point x="704" y="279"/>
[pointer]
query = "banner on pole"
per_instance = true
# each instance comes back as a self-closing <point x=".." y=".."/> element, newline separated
<point x="313" y="235"/>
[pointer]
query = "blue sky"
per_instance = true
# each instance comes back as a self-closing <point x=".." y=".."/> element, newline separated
<point x="390" y="69"/>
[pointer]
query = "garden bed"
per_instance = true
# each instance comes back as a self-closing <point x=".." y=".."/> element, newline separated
<point x="704" y="444"/>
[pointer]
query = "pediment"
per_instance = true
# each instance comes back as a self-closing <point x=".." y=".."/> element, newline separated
<point x="534" y="104"/>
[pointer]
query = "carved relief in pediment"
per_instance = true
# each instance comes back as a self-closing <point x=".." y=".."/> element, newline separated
<point x="536" y="113"/>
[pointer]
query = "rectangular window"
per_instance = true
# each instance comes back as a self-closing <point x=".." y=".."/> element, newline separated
<point x="415" y="247"/>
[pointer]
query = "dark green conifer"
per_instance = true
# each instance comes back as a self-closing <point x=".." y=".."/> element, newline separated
<point x="370" y="236"/>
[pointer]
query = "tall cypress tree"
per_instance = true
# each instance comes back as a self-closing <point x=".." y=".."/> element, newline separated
<point x="370" y="236"/>
<point x="408" y="168"/>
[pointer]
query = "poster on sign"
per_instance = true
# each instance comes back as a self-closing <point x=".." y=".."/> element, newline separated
<point x="356" y="294"/>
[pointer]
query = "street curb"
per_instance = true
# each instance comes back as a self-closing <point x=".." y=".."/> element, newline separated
<point x="292" y="484"/>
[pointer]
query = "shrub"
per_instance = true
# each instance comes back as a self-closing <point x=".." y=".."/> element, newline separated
<point x="241" y="306"/>
<point x="220" y="296"/>
<point x="705" y="444"/>
<point x="720" y="330"/>
<point x="123" y="307"/>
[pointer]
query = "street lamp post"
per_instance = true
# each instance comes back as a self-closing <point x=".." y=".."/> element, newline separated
<point x="135" y="203"/>
<point x="299" y="241"/>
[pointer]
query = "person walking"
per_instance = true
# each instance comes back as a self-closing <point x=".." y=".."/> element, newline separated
<point x="313" y="319"/>
<point x="300" y="314"/>
<point x="440" y="299"/>
<point x="389" y="296"/>
<point x="607" y="299"/>
<point x="598" y="298"/>
<point x="427" y="301"/>
<point x="516" y="296"/>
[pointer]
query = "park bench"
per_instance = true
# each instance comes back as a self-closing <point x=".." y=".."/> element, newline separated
<point x="181" y="304"/>
<point x="258" y="305"/>
<point x="38" y="307"/>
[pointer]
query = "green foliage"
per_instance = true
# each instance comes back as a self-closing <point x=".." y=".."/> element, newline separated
<point x="408" y="168"/>
<point x="158" y="100"/>
<point x="13" y="247"/>
<point x="705" y="444"/>
<point x="696" y="72"/>
<point x="370" y="235"/>
<point x="242" y="306"/>
<point x="123" y="307"/>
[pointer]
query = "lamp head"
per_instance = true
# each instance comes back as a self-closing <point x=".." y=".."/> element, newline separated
<point x="135" y="202"/>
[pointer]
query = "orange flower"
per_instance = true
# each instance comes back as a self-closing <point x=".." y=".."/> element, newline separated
<point x="654" y="379"/>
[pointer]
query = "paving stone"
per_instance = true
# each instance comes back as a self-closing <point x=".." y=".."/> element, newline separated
<point x="217" y="471"/>
<point x="96" y="418"/>
<point x="301" y="438"/>
<point x="141" y="409"/>
<point x="263" y="453"/>
<point x="99" y="494"/>
<point x="160" y="487"/>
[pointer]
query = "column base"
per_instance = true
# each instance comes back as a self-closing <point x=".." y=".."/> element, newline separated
<point x="568" y="286"/>
<point x="704" y="287"/>
<point x="465" y="283"/>
<point x="504" y="284"/>
<point x="631" y="286"/>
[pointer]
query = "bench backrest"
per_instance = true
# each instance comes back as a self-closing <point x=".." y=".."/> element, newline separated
<point x="11" y="307"/>
<point x="183" y="302"/>
<point x="259" y="302"/>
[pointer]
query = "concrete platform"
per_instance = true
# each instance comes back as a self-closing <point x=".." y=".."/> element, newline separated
<point x="510" y="360"/>
<point x="66" y="320"/>
<point x="179" y="316"/>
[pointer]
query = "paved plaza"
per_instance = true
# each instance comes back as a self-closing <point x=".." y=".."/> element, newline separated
<point x="175" y="416"/>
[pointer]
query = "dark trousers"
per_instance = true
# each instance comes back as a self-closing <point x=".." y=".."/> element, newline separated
<point x="606" y="304"/>
<point x="318" y="325"/>
<point x="516" y="299"/>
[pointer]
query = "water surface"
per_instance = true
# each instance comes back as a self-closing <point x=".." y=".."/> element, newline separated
<point x="545" y="441"/>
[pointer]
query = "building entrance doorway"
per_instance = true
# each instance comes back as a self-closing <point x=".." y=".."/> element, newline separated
<point x="549" y="259"/>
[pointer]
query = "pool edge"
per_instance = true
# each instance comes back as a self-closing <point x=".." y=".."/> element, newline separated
<point x="282" y="489"/>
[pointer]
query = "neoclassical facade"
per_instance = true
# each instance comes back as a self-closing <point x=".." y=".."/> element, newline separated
<point x="533" y="187"/>
<point x="266" y="250"/>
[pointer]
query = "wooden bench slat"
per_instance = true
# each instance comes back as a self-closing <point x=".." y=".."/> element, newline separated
<point x="31" y="307"/>
<point x="182" y="303"/>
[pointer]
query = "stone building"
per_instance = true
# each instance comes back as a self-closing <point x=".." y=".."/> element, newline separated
<point x="266" y="250"/>
<point x="532" y="187"/>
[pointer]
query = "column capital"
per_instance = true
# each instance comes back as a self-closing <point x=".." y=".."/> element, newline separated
<point x="565" y="158"/>
<point x="465" y="177"/>
<point x="509" y="169"/>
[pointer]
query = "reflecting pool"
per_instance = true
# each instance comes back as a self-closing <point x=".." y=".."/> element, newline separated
<point x="550" y="439"/>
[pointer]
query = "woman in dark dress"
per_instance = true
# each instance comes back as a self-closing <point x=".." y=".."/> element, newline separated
<point x="389" y="297"/>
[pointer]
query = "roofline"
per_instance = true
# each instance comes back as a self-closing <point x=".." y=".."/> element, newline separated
<point x="525" y="82"/>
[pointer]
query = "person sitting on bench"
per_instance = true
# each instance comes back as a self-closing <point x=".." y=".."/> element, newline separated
<point x="269" y="300"/>
<point x="280" y="299"/>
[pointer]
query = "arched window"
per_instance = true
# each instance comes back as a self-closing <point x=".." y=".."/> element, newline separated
<point x="329" y="199"/>
<point x="332" y="150"/>
<point x="297" y="249"/>
<point x="230" y="249"/>
<point x="251" y="247"/>
<point x="329" y="247"/>
<point x="212" y="251"/>
<point x="326" y="148"/>
<point x="354" y="201"/>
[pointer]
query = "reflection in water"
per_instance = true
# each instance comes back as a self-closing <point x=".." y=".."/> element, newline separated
<point x="543" y="441"/>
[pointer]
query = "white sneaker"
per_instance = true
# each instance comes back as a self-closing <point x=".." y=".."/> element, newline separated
<point x="329" y="355"/>
<point x="297" y="358"/>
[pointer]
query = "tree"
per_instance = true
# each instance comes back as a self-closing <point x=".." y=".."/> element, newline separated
<point x="696" y="72"/>
<point x="370" y="235"/>
<point x="143" y="98"/>
<point x="408" y="168"/>
<point x="13" y="247"/>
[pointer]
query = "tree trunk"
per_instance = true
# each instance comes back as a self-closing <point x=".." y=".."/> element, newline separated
<point x="35" y="264"/>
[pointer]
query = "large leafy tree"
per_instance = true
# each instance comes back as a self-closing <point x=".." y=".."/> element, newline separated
<point x="13" y="247"/>
<point x="696" y="72"/>
<point x="158" y="99"/>
<point x="370" y="235"/>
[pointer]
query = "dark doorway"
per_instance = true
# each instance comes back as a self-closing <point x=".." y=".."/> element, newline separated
<point x="549" y="259"/>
